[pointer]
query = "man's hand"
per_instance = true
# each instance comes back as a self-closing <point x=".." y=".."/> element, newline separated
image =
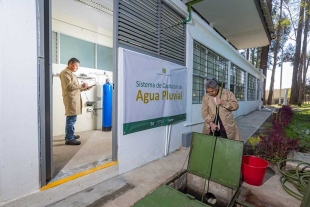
<point x="88" y="87"/>
<point x="84" y="85"/>
<point x="218" y="101"/>
<point x="213" y="126"/>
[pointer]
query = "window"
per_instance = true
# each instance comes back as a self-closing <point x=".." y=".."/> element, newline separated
<point x="258" y="88"/>
<point x="251" y="87"/>
<point x="237" y="82"/>
<point x="206" y="64"/>
<point x="154" y="27"/>
<point x="80" y="49"/>
<point x="54" y="47"/>
<point x="83" y="50"/>
<point x="198" y="89"/>
<point x="104" y="58"/>
<point x="172" y="35"/>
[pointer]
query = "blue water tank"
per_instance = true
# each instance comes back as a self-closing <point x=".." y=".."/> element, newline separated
<point x="107" y="89"/>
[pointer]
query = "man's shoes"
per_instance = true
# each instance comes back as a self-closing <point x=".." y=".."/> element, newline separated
<point x="73" y="142"/>
<point x="75" y="137"/>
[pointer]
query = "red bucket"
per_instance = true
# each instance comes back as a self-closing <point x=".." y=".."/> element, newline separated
<point x="253" y="169"/>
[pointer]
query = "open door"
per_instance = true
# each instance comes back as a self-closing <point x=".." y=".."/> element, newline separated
<point x="51" y="134"/>
<point x="45" y="89"/>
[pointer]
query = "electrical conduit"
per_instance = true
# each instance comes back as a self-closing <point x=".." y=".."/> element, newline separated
<point x="168" y="135"/>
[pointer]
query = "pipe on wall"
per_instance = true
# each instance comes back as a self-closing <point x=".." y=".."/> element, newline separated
<point x="189" y="9"/>
<point x="168" y="136"/>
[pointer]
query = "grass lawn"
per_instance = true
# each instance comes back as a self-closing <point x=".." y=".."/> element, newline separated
<point x="299" y="128"/>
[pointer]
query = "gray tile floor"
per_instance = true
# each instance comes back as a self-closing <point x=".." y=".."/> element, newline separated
<point x="95" y="149"/>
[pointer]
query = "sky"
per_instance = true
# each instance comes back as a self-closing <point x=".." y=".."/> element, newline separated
<point x="287" y="68"/>
<point x="287" y="74"/>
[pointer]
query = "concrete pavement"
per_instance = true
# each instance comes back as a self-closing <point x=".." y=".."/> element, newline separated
<point x="106" y="188"/>
<point x="249" y="123"/>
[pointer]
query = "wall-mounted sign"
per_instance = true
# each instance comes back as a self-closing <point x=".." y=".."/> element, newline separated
<point x="154" y="92"/>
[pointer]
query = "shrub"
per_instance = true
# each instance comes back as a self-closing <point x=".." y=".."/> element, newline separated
<point x="284" y="116"/>
<point x="277" y="145"/>
<point x="254" y="141"/>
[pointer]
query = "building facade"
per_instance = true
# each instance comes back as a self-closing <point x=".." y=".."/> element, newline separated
<point x="31" y="54"/>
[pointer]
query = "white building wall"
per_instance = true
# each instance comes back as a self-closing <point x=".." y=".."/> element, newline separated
<point x="142" y="147"/>
<point x="19" y="171"/>
<point x="199" y="30"/>
<point x="74" y="27"/>
<point x="18" y="81"/>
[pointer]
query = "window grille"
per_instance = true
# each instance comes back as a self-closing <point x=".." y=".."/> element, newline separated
<point x="258" y="88"/>
<point x="237" y="82"/>
<point x="206" y="65"/>
<point x="154" y="27"/>
<point x="172" y="35"/>
<point x="251" y="87"/>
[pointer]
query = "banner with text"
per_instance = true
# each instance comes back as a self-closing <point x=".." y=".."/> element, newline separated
<point x="154" y="92"/>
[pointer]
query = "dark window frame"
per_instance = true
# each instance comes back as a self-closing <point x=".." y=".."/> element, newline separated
<point x="252" y="89"/>
<point x="207" y="64"/>
<point x="238" y="82"/>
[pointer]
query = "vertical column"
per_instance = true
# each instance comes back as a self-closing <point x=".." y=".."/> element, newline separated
<point x="256" y="88"/>
<point x="228" y="74"/>
<point x="58" y="48"/>
<point x="115" y="81"/>
<point x="96" y="56"/>
<point x="246" y="86"/>
<point x="261" y="87"/>
<point x="280" y="96"/>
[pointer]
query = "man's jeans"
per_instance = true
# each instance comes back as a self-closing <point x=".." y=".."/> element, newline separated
<point x="70" y="121"/>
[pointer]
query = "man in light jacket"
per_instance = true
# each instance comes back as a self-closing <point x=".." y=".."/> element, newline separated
<point x="226" y="125"/>
<point x="71" y="93"/>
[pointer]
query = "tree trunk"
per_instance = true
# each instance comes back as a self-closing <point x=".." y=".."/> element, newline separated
<point x="247" y="54"/>
<point x="252" y="56"/>
<point x="302" y="89"/>
<point x="263" y="65"/>
<point x="299" y="76"/>
<point x="279" y="31"/>
<point x="303" y="70"/>
<point x="295" y="88"/>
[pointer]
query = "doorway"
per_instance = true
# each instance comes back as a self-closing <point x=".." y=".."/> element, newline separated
<point x="84" y="30"/>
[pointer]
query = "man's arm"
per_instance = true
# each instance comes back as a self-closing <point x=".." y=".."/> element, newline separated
<point x="66" y="81"/>
<point x="86" y="88"/>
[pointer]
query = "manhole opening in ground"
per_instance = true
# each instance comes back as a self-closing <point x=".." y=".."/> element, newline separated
<point x="210" y="199"/>
<point x="215" y="195"/>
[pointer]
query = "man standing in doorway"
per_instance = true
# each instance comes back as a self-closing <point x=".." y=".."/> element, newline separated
<point x="71" y="93"/>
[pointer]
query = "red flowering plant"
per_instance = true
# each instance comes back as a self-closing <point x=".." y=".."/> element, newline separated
<point x="277" y="145"/>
